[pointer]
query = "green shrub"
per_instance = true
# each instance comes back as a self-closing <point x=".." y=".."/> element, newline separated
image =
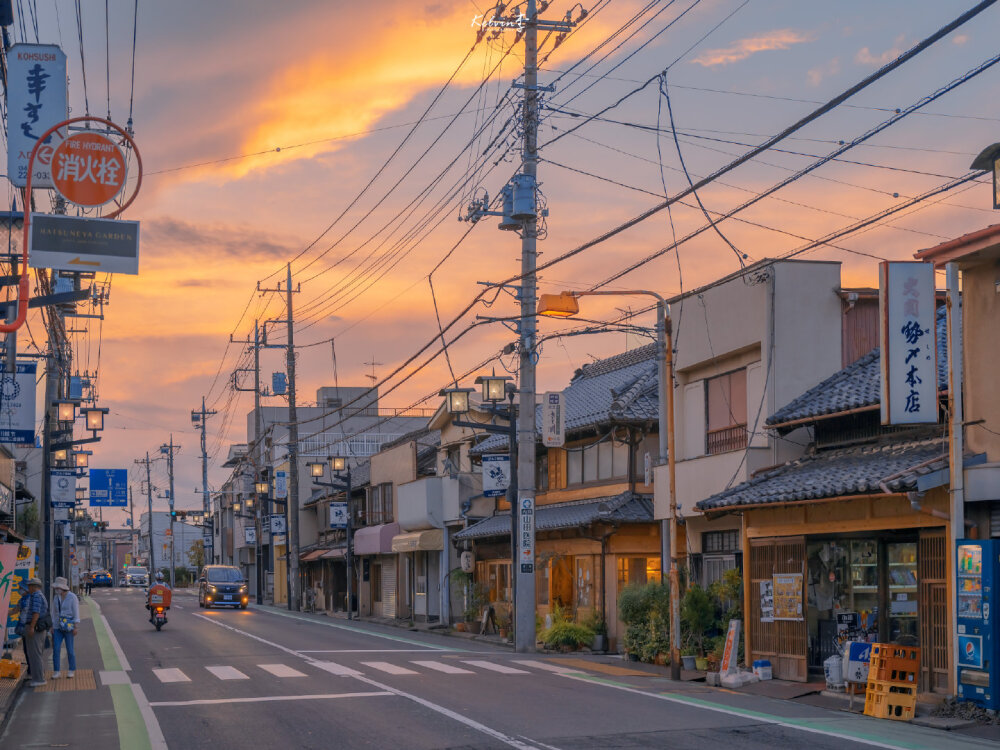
<point x="697" y="616"/>
<point x="567" y="634"/>
<point x="645" y="610"/>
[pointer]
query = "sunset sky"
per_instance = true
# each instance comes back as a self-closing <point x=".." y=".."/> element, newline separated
<point x="260" y="122"/>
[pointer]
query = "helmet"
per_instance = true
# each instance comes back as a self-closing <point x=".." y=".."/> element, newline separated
<point x="159" y="577"/>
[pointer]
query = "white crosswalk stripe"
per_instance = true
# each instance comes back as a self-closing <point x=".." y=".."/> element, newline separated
<point x="494" y="666"/>
<point x="334" y="668"/>
<point x="547" y="667"/>
<point x="442" y="667"/>
<point x="227" y="673"/>
<point x="384" y="666"/>
<point x="171" y="674"/>
<point x="281" y="670"/>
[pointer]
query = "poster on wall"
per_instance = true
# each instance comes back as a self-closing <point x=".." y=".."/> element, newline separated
<point x="767" y="601"/>
<point x="24" y="568"/>
<point x="788" y="596"/>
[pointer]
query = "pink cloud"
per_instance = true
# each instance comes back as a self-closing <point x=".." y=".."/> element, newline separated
<point x="866" y="57"/>
<point x="743" y="48"/>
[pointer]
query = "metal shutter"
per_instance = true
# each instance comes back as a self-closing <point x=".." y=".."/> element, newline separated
<point x="995" y="518"/>
<point x="388" y="587"/>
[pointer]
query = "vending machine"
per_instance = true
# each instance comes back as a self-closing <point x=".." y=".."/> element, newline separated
<point x="978" y="646"/>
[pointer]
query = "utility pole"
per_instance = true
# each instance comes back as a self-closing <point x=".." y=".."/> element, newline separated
<point x="200" y="419"/>
<point x="132" y="531"/>
<point x="149" y="512"/>
<point x="169" y="450"/>
<point x="292" y="508"/>
<point x="524" y="512"/>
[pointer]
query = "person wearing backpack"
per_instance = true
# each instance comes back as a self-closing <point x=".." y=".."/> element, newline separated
<point x="37" y="622"/>
<point x="65" y="612"/>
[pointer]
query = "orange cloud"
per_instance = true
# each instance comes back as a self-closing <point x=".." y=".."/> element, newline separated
<point x="867" y="57"/>
<point x="743" y="48"/>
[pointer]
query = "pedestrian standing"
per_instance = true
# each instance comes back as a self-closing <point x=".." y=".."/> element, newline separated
<point x="88" y="581"/>
<point x="65" y="613"/>
<point x="34" y="632"/>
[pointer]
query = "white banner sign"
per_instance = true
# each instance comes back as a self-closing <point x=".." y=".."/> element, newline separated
<point x="553" y="420"/>
<point x="17" y="405"/>
<point x="526" y="533"/>
<point x="338" y="516"/>
<point x="36" y="100"/>
<point x="280" y="485"/>
<point x="907" y="311"/>
<point x="278" y="525"/>
<point x="250" y="534"/>
<point x="63" y="488"/>
<point x="496" y="475"/>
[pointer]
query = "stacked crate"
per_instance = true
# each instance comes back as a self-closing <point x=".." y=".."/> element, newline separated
<point x="892" y="682"/>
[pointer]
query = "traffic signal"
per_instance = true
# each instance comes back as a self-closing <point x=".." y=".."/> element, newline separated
<point x="178" y="515"/>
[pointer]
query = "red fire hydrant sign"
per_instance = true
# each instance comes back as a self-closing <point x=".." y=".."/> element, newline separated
<point x="88" y="169"/>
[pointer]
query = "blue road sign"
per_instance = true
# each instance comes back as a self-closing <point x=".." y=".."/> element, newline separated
<point x="108" y="488"/>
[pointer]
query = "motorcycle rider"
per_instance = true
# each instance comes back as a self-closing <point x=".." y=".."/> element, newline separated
<point x="160" y="590"/>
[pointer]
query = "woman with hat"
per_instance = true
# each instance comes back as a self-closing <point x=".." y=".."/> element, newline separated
<point x="65" y="613"/>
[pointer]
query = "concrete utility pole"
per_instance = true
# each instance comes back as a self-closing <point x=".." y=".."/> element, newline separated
<point x="524" y="513"/>
<point x="149" y="511"/>
<point x="292" y="508"/>
<point x="169" y="450"/>
<point x="200" y="419"/>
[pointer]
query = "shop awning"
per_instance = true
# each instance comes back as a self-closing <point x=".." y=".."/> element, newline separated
<point x="624" y="508"/>
<point x="419" y="541"/>
<point x="310" y="556"/>
<point x="375" y="540"/>
<point x="334" y="554"/>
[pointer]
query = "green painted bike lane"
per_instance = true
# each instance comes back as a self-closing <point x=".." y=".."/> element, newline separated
<point x="892" y="735"/>
<point x="133" y="732"/>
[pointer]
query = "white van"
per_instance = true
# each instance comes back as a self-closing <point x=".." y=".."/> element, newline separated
<point x="136" y="576"/>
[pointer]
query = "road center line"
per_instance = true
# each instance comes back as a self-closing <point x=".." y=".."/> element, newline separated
<point x="454" y="715"/>
<point x="359" y="631"/>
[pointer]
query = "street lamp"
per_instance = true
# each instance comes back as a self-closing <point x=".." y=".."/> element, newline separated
<point x="60" y="455"/>
<point x="494" y="387"/>
<point x="338" y="464"/>
<point x="262" y="488"/>
<point x="457" y="399"/>
<point x="989" y="159"/>
<point x="81" y="459"/>
<point x="95" y="418"/>
<point x="566" y="304"/>
<point x="65" y="411"/>
<point x="316" y="469"/>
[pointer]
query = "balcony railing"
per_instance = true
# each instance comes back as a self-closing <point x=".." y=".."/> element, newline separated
<point x="727" y="439"/>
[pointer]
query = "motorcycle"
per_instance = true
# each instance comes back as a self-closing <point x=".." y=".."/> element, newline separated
<point x="158" y="617"/>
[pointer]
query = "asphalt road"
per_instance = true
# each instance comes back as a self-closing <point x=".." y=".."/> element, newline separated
<point x="232" y="679"/>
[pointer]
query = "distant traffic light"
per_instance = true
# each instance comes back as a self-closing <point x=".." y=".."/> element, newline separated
<point x="176" y="515"/>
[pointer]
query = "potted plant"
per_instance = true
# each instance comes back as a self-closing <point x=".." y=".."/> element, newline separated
<point x="697" y="616"/>
<point x="597" y="624"/>
<point x="502" y="616"/>
<point x="688" y="657"/>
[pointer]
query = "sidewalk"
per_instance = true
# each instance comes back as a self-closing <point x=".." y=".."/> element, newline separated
<point x="10" y="689"/>
<point x="65" y="710"/>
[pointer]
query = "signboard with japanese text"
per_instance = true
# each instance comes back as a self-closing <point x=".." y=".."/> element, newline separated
<point x="767" y="601"/>
<point x="89" y="169"/>
<point x="71" y="243"/>
<point x="338" y="515"/>
<point x="553" y="420"/>
<point x="526" y="533"/>
<point x="281" y="484"/>
<point x="788" y="596"/>
<point x="108" y="488"/>
<point x="730" y="654"/>
<point x="17" y="405"/>
<point x="250" y="534"/>
<point x="62" y="492"/>
<point x="859" y="656"/>
<point x="24" y="569"/>
<point x="907" y="310"/>
<point x="278" y="525"/>
<point x="8" y="562"/>
<point x="496" y="475"/>
<point x="36" y="101"/>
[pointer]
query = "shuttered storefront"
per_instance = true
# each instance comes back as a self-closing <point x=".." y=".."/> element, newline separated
<point x="782" y="642"/>
<point x="388" y="586"/>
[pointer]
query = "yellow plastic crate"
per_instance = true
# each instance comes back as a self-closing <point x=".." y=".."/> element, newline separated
<point x="897" y="705"/>
<point x="10" y="669"/>
<point x="893" y="663"/>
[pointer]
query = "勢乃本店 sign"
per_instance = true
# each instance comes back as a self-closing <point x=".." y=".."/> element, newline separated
<point x="69" y="243"/>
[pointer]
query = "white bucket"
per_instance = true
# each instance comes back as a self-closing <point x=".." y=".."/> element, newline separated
<point x="833" y="668"/>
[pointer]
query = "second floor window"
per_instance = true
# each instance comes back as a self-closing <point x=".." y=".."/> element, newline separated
<point x="601" y="461"/>
<point x="726" y="407"/>
<point x="380" y="504"/>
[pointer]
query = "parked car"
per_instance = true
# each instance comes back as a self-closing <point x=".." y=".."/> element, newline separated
<point x="122" y="582"/>
<point x="222" y="585"/>
<point x="102" y="578"/>
<point x="137" y="576"/>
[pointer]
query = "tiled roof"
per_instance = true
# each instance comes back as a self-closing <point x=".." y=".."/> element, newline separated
<point x="847" y="471"/>
<point x="614" y="390"/>
<point x="624" y="508"/>
<point x="856" y="386"/>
